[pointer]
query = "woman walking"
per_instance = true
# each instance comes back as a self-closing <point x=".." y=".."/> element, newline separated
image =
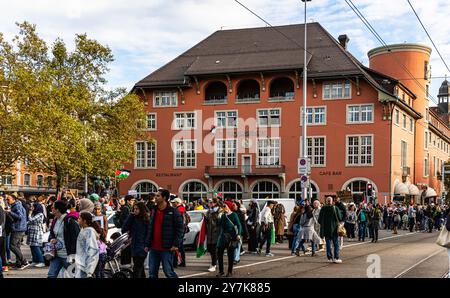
<point x="137" y="225"/>
<point x="230" y="231"/>
<point x="253" y="226"/>
<point x="307" y="232"/>
<point x="35" y="233"/>
<point x="86" y="257"/>
<point x="350" y="221"/>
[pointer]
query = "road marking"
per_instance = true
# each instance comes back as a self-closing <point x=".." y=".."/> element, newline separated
<point x="291" y="257"/>
<point x="417" y="264"/>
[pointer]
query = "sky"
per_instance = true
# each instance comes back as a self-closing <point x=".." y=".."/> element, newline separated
<point x="146" y="34"/>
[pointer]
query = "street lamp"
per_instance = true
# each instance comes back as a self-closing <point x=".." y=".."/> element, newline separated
<point x="304" y="148"/>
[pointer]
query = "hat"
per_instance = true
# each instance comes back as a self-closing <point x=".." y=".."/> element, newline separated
<point x="177" y="200"/>
<point x="229" y="204"/>
<point x="86" y="205"/>
<point x="94" y="197"/>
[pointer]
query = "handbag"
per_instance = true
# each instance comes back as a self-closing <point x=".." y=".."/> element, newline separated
<point x="341" y="229"/>
<point x="230" y="241"/>
<point x="444" y="238"/>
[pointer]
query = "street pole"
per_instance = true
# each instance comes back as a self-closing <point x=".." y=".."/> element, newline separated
<point x="305" y="143"/>
<point x="85" y="171"/>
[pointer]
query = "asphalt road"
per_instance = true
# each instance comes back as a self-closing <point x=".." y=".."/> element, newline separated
<point x="406" y="255"/>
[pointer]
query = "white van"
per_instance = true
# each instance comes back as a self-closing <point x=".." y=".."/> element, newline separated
<point x="288" y="204"/>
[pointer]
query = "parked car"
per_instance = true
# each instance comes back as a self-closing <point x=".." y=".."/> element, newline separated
<point x="190" y="239"/>
<point x="288" y="204"/>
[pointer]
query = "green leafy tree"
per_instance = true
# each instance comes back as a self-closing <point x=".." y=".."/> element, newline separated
<point x="72" y="124"/>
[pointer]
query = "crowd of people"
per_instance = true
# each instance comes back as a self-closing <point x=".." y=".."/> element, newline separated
<point x="157" y="223"/>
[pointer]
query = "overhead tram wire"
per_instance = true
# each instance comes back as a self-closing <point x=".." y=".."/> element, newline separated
<point x="384" y="44"/>
<point x="428" y="34"/>
<point x="299" y="45"/>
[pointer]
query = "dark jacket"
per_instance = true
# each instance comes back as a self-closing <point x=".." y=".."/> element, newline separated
<point x="138" y="230"/>
<point x="2" y="222"/>
<point x="329" y="218"/>
<point x="172" y="228"/>
<point x="18" y="213"/>
<point x="212" y="219"/>
<point x="241" y="217"/>
<point x="227" y="226"/>
<point x="124" y="212"/>
<point x="253" y="217"/>
<point x="342" y="208"/>
<point x="71" y="231"/>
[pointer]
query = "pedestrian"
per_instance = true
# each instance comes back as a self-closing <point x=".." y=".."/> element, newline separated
<point x="2" y="236"/>
<point x="178" y="204"/>
<point x="329" y="219"/>
<point x="267" y="226"/>
<point x="19" y="227"/>
<point x="165" y="234"/>
<point x="35" y="234"/>
<point x="151" y="201"/>
<point x="212" y="219"/>
<point x="296" y="228"/>
<point x="87" y="251"/>
<point x="412" y="214"/>
<point x="63" y="234"/>
<point x="253" y="226"/>
<point x="229" y="236"/>
<point x="340" y="205"/>
<point x="100" y="218"/>
<point x="290" y="233"/>
<point x="396" y="219"/>
<point x="362" y="222"/>
<point x="350" y="222"/>
<point x="279" y="221"/>
<point x="102" y="254"/>
<point x="307" y="232"/>
<point x="376" y="216"/>
<point x="119" y="219"/>
<point x="137" y="226"/>
<point x="86" y="205"/>
<point x="41" y="200"/>
<point x="240" y="212"/>
<point x="49" y="205"/>
<point x="316" y="212"/>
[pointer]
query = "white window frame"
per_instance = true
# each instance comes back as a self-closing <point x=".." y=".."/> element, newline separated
<point x="411" y="125"/>
<point x="227" y="122"/>
<point x="163" y="93"/>
<point x="360" y="113"/>
<point x="184" y="119"/>
<point x="24" y="175"/>
<point x="359" y="164"/>
<point x="3" y="180"/>
<point x="226" y="151"/>
<point x="426" y="165"/>
<point x="313" y="114"/>
<point x="331" y="85"/>
<point x="403" y="159"/>
<point x="155" y="120"/>
<point x="313" y="155"/>
<point x="404" y="122"/>
<point x="269" y="117"/>
<point x="397" y="117"/>
<point x="426" y="143"/>
<point x="146" y="152"/>
<point x="185" y="157"/>
<point x="269" y="156"/>
<point x="37" y="181"/>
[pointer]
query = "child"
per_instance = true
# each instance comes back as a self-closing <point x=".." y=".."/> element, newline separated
<point x="100" y="269"/>
<point x="87" y="255"/>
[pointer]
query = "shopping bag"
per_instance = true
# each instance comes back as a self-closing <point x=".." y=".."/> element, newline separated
<point x="272" y="241"/>
<point x="444" y="238"/>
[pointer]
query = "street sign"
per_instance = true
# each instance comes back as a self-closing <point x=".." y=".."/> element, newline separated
<point x="304" y="178"/>
<point x="304" y="166"/>
<point x="132" y="192"/>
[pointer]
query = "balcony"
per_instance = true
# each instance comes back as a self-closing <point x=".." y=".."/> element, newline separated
<point x="215" y="100"/>
<point x="244" y="170"/>
<point x="254" y="99"/>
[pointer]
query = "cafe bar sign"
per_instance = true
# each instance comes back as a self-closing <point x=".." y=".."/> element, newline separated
<point x="330" y="173"/>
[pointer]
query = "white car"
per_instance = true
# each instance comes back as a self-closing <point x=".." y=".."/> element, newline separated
<point x="288" y="204"/>
<point x="190" y="239"/>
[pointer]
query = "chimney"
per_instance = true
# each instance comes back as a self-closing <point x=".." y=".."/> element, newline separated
<point x="343" y="40"/>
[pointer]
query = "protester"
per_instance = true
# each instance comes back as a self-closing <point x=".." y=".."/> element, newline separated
<point x="178" y="204"/>
<point x="376" y="216"/>
<point x="87" y="251"/>
<point x="165" y="234"/>
<point x="329" y="219"/>
<point x="279" y="221"/>
<point x="229" y="236"/>
<point x="63" y="233"/>
<point x="240" y="212"/>
<point x="86" y="205"/>
<point x="137" y="225"/>
<point x="253" y="226"/>
<point x="343" y="211"/>
<point x="212" y="218"/>
<point x="100" y="218"/>
<point x="35" y="234"/>
<point x="267" y="226"/>
<point x="362" y="215"/>
<point x="295" y="227"/>
<point x="19" y="227"/>
<point x="102" y="254"/>
<point x="316" y="212"/>
<point x="307" y="232"/>
<point x="350" y="222"/>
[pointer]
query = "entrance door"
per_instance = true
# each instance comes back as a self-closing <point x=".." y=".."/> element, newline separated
<point x="246" y="164"/>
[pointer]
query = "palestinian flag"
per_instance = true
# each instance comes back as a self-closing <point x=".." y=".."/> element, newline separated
<point x="217" y="195"/>
<point x="201" y="241"/>
<point x="122" y="174"/>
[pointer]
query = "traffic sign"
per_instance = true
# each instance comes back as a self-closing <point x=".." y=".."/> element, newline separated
<point x="132" y="192"/>
<point x="304" y="178"/>
<point x="304" y="166"/>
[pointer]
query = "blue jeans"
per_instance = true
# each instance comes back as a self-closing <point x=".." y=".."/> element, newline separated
<point x="237" y="252"/>
<point x="56" y="265"/>
<point x="362" y="231"/>
<point x="36" y="254"/>
<point x="296" y="242"/>
<point x="303" y="247"/>
<point x="154" y="260"/>
<point x="8" y="251"/>
<point x="335" y="240"/>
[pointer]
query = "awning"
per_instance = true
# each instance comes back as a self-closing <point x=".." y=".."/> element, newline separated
<point x="429" y="193"/>
<point x="413" y="190"/>
<point x="401" y="189"/>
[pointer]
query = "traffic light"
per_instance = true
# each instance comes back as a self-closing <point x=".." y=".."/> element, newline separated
<point x="369" y="190"/>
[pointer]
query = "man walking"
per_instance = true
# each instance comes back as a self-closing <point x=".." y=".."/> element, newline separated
<point x="165" y="234"/>
<point x="266" y="228"/>
<point x="178" y="204"/>
<point x="329" y="219"/>
<point x="19" y="227"/>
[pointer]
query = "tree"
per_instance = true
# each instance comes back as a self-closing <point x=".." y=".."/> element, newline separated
<point x="72" y="124"/>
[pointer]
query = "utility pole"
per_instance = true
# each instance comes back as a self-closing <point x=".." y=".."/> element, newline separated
<point x="305" y="82"/>
<point x="85" y="171"/>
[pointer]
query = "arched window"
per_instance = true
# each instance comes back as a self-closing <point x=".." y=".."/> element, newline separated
<point x="295" y="192"/>
<point x="145" y="188"/>
<point x="359" y="189"/>
<point x="216" y="92"/>
<point x="265" y="189"/>
<point x="282" y="89"/>
<point x="248" y="90"/>
<point x="193" y="191"/>
<point x="230" y="190"/>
